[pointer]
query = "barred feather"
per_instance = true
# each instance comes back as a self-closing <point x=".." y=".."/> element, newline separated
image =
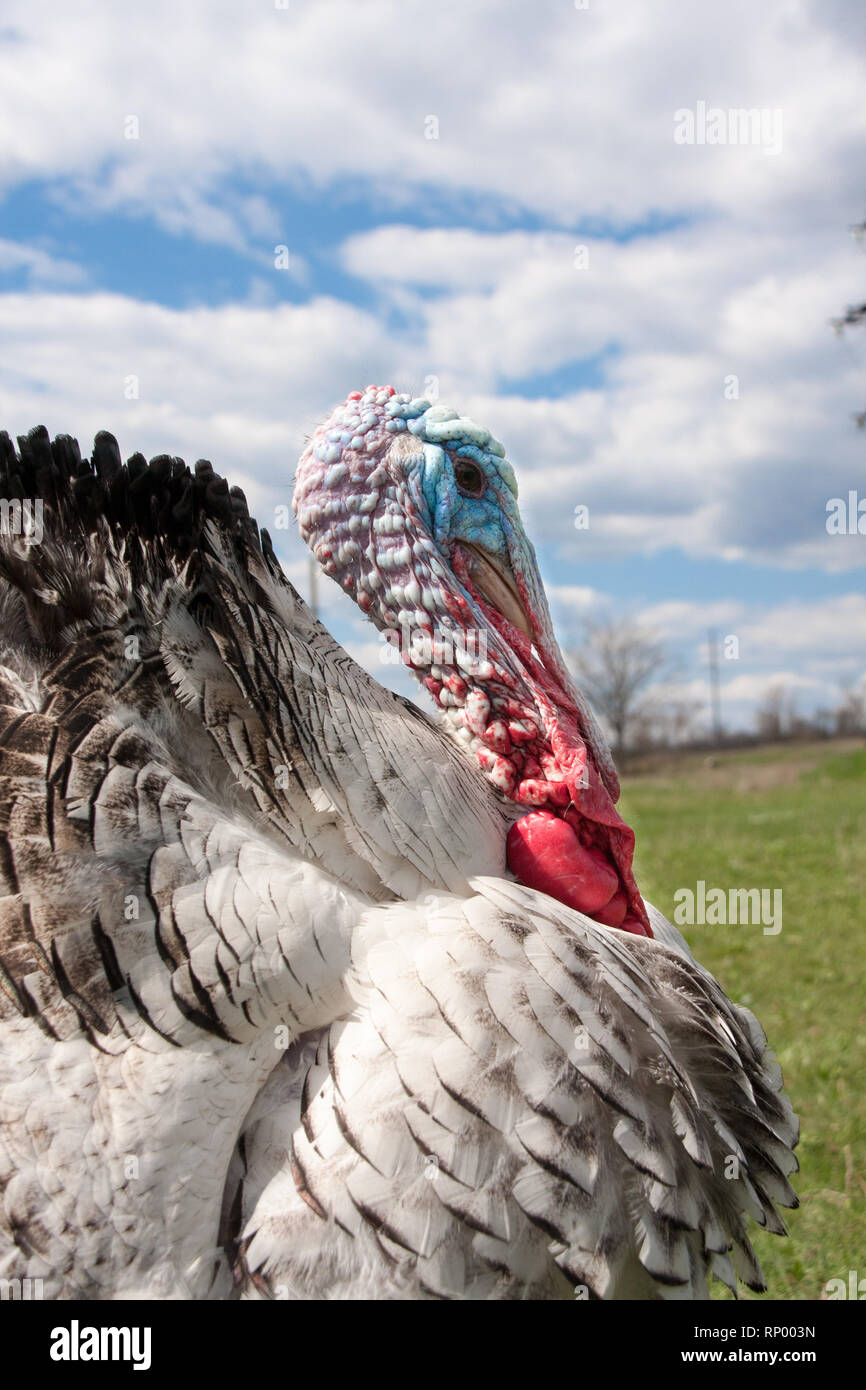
<point x="299" y="1035"/>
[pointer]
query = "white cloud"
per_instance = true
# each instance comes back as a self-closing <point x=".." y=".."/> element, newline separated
<point x="569" y="115"/>
<point x="811" y="634"/>
<point x="741" y="693"/>
<point x="576" y="599"/>
<point x="238" y="381"/>
<point x="567" y="112"/>
<point x="41" y="267"/>
<point x="724" y="421"/>
<point x="684" y="619"/>
<point x="833" y="627"/>
<point x="239" y="384"/>
<point x="563" y="114"/>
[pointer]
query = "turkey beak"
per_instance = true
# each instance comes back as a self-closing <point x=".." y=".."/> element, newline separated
<point x="495" y="582"/>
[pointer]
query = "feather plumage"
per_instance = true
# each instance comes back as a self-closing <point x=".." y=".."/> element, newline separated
<point x="275" y="1021"/>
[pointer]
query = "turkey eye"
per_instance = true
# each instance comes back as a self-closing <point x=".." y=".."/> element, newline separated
<point x="469" y="478"/>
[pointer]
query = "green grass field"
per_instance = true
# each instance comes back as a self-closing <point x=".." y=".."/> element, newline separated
<point x="790" y="817"/>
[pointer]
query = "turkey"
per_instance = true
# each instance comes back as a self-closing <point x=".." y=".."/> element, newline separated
<point x="306" y="995"/>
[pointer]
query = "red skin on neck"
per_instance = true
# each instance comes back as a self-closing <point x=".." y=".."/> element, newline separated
<point x="577" y="849"/>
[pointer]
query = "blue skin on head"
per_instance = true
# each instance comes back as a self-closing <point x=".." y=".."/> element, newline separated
<point x="491" y="521"/>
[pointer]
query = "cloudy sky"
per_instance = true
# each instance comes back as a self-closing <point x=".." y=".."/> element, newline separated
<point x="546" y="212"/>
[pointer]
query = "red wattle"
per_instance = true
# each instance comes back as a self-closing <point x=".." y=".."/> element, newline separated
<point x="613" y="913"/>
<point x="635" y="926"/>
<point x="544" y="853"/>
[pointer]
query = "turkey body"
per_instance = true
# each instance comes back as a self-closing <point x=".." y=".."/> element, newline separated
<point x="275" y="1020"/>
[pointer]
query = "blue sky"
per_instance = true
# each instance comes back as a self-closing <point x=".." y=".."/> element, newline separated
<point x="552" y="260"/>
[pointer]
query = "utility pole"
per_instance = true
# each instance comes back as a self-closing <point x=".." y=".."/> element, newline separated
<point x="314" y="587"/>
<point x="715" y="687"/>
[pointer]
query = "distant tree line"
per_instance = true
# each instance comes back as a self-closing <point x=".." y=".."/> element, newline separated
<point x="777" y="717"/>
<point x="622" y="668"/>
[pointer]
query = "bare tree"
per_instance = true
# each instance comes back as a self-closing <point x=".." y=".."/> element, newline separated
<point x="851" y="713"/>
<point x="614" y="667"/>
<point x="665" y="721"/>
<point x="774" y="715"/>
